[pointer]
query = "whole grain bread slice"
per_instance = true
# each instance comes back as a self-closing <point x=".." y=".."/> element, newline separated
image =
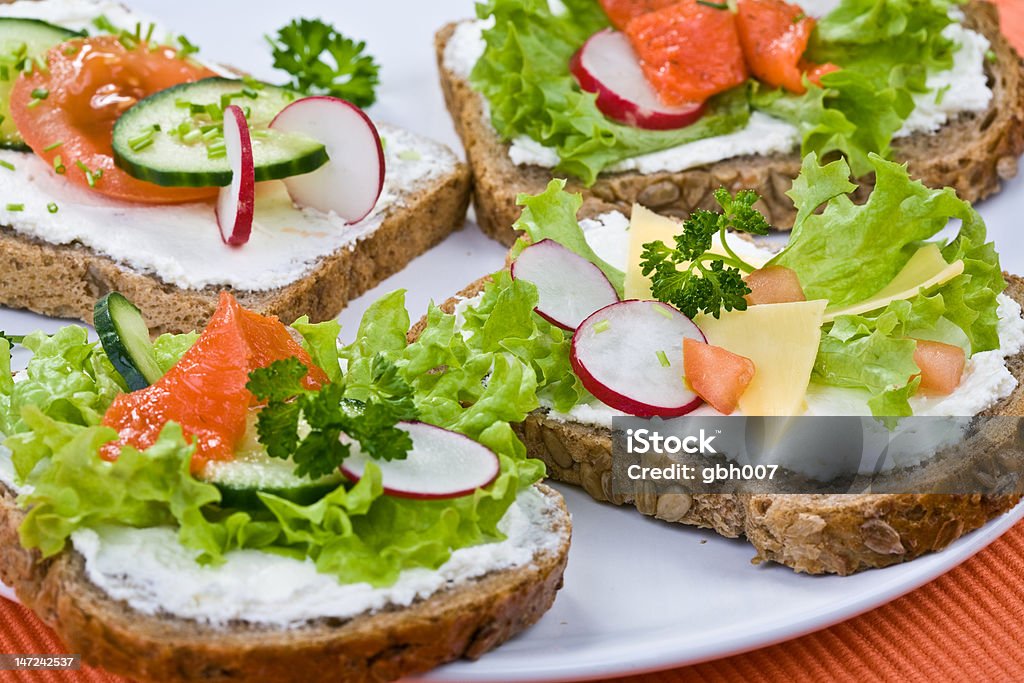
<point x="466" y="620"/>
<point x="66" y="280"/>
<point x="973" y="153"/>
<point x="816" y="534"/>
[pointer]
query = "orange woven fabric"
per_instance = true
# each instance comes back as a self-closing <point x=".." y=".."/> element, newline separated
<point x="965" y="625"/>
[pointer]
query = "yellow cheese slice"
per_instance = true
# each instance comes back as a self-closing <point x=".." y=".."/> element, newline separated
<point x="782" y="340"/>
<point x="645" y="227"/>
<point x="924" y="270"/>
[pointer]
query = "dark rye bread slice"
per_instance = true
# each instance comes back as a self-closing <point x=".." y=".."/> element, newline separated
<point x="973" y="154"/>
<point x="464" y="621"/>
<point x="816" y="534"/>
<point x="66" y="280"/>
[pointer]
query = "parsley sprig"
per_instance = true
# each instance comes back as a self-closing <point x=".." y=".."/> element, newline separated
<point x="306" y="426"/>
<point x="11" y="339"/>
<point x="689" y="276"/>
<point x="324" y="62"/>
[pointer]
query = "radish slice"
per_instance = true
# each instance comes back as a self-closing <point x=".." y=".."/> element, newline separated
<point x="569" y="286"/>
<point x="630" y="356"/>
<point x="608" y="66"/>
<point x="236" y="203"/>
<point x="351" y="182"/>
<point x="441" y="464"/>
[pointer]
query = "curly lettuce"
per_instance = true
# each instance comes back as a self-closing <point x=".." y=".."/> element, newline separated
<point x="846" y="252"/>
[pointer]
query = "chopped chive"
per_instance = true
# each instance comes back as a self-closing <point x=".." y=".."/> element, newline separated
<point x="53" y="145"/>
<point x="250" y="93"/>
<point x="58" y="165"/>
<point x="991" y="57"/>
<point x="409" y="155"/>
<point x="662" y="311"/>
<point x="601" y="326"/>
<point x="6" y="164"/>
<point x="940" y="94"/>
<point x="5" y="73"/>
<point x="187" y="47"/>
<point x="98" y="173"/>
<point x="715" y="5"/>
<point x="15" y="207"/>
<point x="33" y="103"/>
<point x="192" y="137"/>
<point x="149" y="32"/>
<point x="142" y="141"/>
<point x="663" y="359"/>
<point x="90" y="178"/>
<point x="798" y="18"/>
<point x="52" y="207"/>
<point x="70" y="50"/>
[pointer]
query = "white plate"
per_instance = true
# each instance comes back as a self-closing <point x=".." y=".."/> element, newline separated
<point x="640" y="594"/>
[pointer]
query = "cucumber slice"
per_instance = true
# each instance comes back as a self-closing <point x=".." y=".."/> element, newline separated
<point x="175" y="137"/>
<point x="253" y="472"/>
<point x="22" y="40"/>
<point x="125" y="338"/>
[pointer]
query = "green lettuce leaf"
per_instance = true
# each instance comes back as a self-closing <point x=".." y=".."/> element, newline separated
<point x="140" y="489"/>
<point x="849" y="251"/>
<point x="552" y="215"/>
<point x="885" y="49"/>
<point x="524" y="73"/>
<point x="846" y="252"/>
<point x="169" y="348"/>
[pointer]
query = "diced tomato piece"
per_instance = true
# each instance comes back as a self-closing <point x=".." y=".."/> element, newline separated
<point x="88" y="84"/>
<point x="718" y="375"/>
<point x="774" y="35"/>
<point x="942" y="366"/>
<point x="205" y="392"/>
<point x="621" y="12"/>
<point x="774" y="285"/>
<point x="816" y="71"/>
<point x="688" y="51"/>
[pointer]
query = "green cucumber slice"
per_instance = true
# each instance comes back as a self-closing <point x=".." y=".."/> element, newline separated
<point x="21" y="41"/>
<point x="175" y="137"/>
<point x="253" y="472"/>
<point x="125" y="337"/>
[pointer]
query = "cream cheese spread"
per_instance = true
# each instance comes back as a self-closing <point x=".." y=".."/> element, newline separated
<point x="181" y="244"/>
<point x="964" y="88"/>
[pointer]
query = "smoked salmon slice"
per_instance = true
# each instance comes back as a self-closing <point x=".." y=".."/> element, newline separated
<point x="774" y="35"/>
<point x="688" y="51"/>
<point x="205" y="391"/>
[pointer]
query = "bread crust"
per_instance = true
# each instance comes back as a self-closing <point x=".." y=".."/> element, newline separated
<point x="973" y="154"/>
<point x="813" y="534"/>
<point x="464" y="621"/>
<point x="65" y="281"/>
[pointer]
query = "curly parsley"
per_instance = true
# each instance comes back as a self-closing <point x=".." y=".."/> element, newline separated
<point x="306" y="426"/>
<point x="324" y="62"/>
<point x="691" y="277"/>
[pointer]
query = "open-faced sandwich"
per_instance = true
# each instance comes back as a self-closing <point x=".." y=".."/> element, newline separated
<point x="865" y="312"/>
<point x="660" y="102"/>
<point x="131" y="165"/>
<point x="239" y="506"/>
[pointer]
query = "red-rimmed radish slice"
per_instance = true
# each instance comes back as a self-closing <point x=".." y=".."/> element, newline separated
<point x="569" y="286"/>
<point x="351" y="182"/>
<point x="236" y="203"/>
<point x="608" y="66"/>
<point x="628" y="355"/>
<point x="441" y="464"/>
